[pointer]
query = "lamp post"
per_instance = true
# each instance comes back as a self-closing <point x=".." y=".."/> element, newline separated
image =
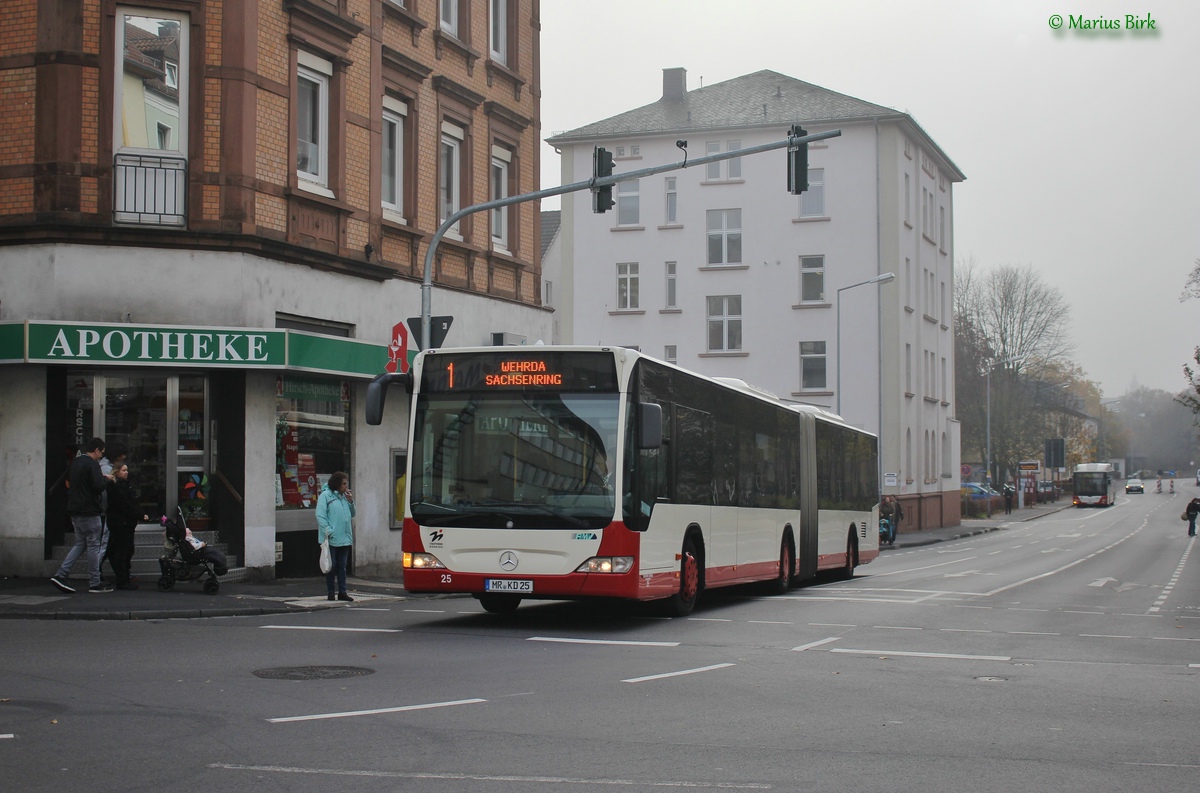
<point x="879" y="279"/>
<point x="991" y="365"/>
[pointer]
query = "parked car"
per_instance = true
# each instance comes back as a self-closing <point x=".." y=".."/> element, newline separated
<point x="1134" y="486"/>
<point x="976" y="490"/>
<point x="1047" y="490"/>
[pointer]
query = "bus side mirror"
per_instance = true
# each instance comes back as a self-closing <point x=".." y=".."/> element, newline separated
<point x="649" y="426"/>
<point x="377" y="393"/>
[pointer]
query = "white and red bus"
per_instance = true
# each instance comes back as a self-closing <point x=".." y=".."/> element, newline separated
<point x="582" y="472"/>
<point x="1094" y="485"/>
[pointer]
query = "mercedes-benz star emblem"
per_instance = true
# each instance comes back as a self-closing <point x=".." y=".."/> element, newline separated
<point x="508" y="561"/>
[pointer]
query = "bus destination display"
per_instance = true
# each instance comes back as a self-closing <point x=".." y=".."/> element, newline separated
<point x="509" y="370"/>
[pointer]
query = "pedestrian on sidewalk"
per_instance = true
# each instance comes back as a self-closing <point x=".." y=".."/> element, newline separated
<point x="1008" y="499"/>
<point x="335" y="512"/>
<point x="1193" y="509"/>
<point x="85" y="484"/>
<point x="124" y="514"/>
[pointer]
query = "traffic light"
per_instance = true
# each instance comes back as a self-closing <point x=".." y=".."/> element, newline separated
<point x="797" y="163"/>
<point x="602" y="166"/>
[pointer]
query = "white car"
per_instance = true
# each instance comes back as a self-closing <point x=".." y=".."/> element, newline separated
<point x="1134" y="486"/>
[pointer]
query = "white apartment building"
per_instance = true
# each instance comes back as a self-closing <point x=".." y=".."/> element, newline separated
<point x="719" y="269"/>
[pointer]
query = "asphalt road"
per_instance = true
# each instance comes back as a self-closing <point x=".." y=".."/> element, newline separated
<point x="1061" y="654"/>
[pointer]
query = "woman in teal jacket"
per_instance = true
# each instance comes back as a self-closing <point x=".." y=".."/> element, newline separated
<point x="335" y="510"/>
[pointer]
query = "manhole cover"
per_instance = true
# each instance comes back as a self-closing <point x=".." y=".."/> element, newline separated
<point x="312" y="672"/>
<point x="991" y="679"/>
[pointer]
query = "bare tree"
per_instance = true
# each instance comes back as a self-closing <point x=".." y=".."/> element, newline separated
<point x="1192" y="287"/>
<point x="1011" y="340"/>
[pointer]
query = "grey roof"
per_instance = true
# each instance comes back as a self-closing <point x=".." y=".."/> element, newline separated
<point x="762" y="99"/>
<point x="551" y="220"/>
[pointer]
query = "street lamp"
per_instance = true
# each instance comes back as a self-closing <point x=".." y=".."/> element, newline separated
<point x="990" y="366"/>
<point x="879" y="279"/>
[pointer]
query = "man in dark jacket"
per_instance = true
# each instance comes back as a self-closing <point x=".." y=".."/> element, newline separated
<point x="1191" y="512"/>
<point x="85" y="484"/>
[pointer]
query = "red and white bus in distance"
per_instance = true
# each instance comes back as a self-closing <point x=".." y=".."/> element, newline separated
<point x="584" y="472"/>
<point x="1094" y="485"/>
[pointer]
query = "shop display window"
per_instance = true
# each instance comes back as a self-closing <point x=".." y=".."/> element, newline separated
<point x="312" y="437"/>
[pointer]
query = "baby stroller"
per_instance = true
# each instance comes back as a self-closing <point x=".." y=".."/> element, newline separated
<point x="186" y="558"/>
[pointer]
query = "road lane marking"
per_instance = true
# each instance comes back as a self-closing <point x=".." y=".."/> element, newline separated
<point x="332" y="628"/>
<point x="963" y="630"/>
<point x="897" y="628"/>
<point x="677" y="674"/>
<point x="615" y="642"/>
<point x="768" y="622"/>
<point x="1166" y="593"/>
<point x="909" y="654"/>
<point x="708" y="619"/>
<point x="817" y="643"/>
<point x="926" y="567"/>
<point x="375" y="711"/>
<point x="553" y="780"/>
<point x="1069" y="611"/>
<point x="1067" y="566"/>
<point x="1102" y="636"/>
<point x="1033" y="633"/>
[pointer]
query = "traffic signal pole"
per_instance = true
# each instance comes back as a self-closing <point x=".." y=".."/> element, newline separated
<point x="792" y="141"/>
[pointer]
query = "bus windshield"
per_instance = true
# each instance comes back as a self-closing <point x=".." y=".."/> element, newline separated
<point x="517" y="459"/>
<point x="1091" y="483"/>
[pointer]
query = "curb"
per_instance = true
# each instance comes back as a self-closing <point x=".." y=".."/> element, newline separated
<point x="158" y="614"/>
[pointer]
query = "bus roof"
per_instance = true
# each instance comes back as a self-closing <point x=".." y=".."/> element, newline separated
<point x="1085" y="468"/>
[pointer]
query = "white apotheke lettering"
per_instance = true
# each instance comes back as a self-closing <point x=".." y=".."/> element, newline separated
<point x="152" y="345"/>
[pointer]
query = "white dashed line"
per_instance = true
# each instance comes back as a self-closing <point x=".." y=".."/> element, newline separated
<point x="677" y="674"/>
<point x="376" y="711"/>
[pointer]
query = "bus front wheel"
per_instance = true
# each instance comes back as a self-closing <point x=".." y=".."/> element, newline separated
<point x="682" y="602"/>
<point x="783" y="579"/>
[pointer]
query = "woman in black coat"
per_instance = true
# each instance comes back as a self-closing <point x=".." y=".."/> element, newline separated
<point x="124" y="514"/>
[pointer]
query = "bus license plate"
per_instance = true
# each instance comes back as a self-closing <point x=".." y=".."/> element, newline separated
<point x="507" y="585"/>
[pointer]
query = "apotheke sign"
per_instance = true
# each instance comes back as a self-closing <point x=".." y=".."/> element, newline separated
<point x="66" y="342"/>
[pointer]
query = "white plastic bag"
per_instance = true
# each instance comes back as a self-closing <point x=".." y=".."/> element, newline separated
<point x="326" y="559"/>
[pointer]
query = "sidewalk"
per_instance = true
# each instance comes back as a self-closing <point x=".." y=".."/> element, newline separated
<point x="973" y="526"/>
<point x="37" y="598"/>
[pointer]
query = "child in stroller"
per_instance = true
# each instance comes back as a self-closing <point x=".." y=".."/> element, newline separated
<point x="186" y="558"/>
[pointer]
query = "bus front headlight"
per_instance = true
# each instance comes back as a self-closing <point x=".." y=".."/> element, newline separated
<point x="606" y="564"/>
<point x="422" y="561"/>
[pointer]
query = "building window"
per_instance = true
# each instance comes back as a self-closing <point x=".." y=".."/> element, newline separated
<point x="908" y="368"/>
<point x="724" y="236"/>
<point x="672" y="213"/>
<point x="733" y="168"/>
<point x="724" y="323"/>
<point x="942" y="225"/>
<point x="548" y="300"/>
<point x="812" y="365"/>
<point x="501" y="158"/>
<point x="812" y="201"/>
<point x="907" y="200"/>
<point x="392" y="194"/>
<point x="150" y="118"/>
<point x="312" y="120"/>
<point x="628" y="200"/>
<point x="448" y="16"/>
<point x="670" y="302"/>
<point x="812" y="279"/>
<point x="670" y="353"/>
<point x="498" y="31"/>
<point x="627" y="286"/>
<point x="450" y="176"/>
<point x="312" y="438"/>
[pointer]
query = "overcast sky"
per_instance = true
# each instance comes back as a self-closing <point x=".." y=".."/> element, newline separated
<point x="1082" y="152"/>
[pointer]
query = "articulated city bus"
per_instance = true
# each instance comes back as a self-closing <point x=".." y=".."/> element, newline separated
<point x="573" y="472"/>
<point x="1094" y="485"/>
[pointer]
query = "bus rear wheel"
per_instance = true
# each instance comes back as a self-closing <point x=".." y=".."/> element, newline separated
<point x="783" y="579"/>
<point x="847" y="571"/>
<point x="499" y="604"/>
